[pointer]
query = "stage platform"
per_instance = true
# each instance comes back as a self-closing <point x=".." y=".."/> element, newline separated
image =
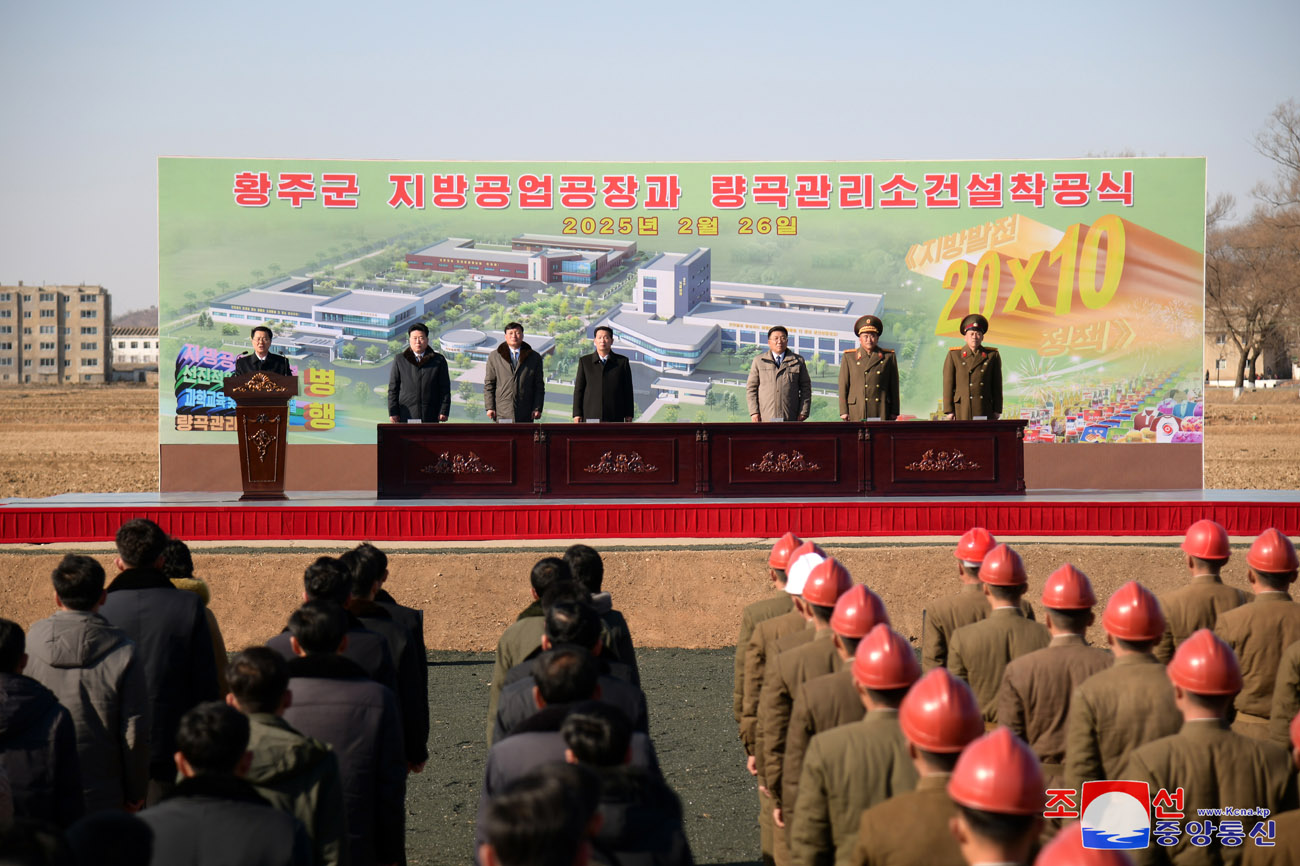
<point x="349" y="516"/>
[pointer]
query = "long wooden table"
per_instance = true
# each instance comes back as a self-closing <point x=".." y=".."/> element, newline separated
<point x="780" y="461"/>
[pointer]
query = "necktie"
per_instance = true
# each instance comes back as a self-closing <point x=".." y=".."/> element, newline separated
<point x="514" y="360"/>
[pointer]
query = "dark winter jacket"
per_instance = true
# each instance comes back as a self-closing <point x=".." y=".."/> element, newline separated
<point x="93" y="670"/>
<point x="218" y="820"/>
<point x="517" y="702"/>
<point x="171" y="635"/>
<point x="300" y="775"/>
<point x="368" y="649"/>
<point x="335" y="702"/>
<point x="419" y="389"/>
<point x="642" y="819"/>
<point x="535" y="743"/>
<point x="38" y="751"/>
<point x="412" y="678"/>
<point x="617" y="636"/>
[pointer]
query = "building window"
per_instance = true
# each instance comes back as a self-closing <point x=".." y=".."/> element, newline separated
<point x="47" y="347"/>
<point x="1221" y="364"/>
<point x="90" y="362"/>
<point x="87" y="331"/>
<point x="135" y="344"/>
<point x="89" y="347"/>
<point x="650" y="282"/>
<point x="1220" y="339"/>
<point x="90" y="314"/>
<point x="49" y="314"/>
<point x="47" y="329"/>
<point x="6" y="314"/>
<point x="6" y="347"/>
<point x="47" y="362"/>
<point x="6" y="329"/>
<point x="47" y="298"/>
<point x="27" y="298"/>
<point x="89" y="299"/>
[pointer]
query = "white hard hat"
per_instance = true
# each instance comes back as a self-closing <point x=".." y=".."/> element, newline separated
<point x="797" y="576"/>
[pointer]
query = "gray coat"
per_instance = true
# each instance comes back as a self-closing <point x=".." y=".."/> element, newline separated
<point x="514" y="393"/>
<point x="779" y="393"/>
<point x="419" y="389"/>
<point x="92" y="669"/>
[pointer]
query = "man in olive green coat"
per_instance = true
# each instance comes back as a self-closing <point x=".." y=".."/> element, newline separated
<point x="296" y="774"/>
<point x="868" y="383"/>
<point x="1214" y="766"/>
<point x="1127" y="704"/>
<point x="979" y="652"/>
<point x="1199" y="604"/>
<point x="972" y="375"/>
<point x="1034" y="698"/>
<point x="945" y="615"/>
<point x="939" y="717"/>
<point x="853" y="767"/>
<point x="1259" y="632"/>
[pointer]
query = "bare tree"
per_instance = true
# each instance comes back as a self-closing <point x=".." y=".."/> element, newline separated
<point x="1280" y="142"/>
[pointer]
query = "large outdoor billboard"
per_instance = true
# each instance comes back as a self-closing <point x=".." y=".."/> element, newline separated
<point x="1090" y="272"/>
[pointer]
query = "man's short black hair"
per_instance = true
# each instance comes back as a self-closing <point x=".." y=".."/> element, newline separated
<point x="78" y="581"/>
<point x="418" y="326"/>
<point x="586" y="566"/>
<point x="258" y="678"/>
<point x="327" y="579"/>
<point x="537" y="821"/>
<point x="888" y="697"/>
<point x="140" y="542"/>
<point x="1007" y="594"/>
<point x="514" y="326"/>
<point x="13" y="643"/>
<point x="376" y="559"/>
<point x="606" y="328"/>
<point x="598" y="734"/>
<point x="359" y="580"/>
<point x="178" y="562"/>
<point x="213" y="737"/>
<point x="319" y="626"/>
<point x="547" y="571"/>
<point x="998" y="826"/>
<point x="1075" y="621"/>
<point x="565" y="674"/>
<point x="775" y="328"/>
<point x="573" y="622"/>
<point x="270" y="335"/>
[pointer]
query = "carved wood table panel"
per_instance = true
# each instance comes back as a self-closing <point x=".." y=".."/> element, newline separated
<point x="601" y="461"/>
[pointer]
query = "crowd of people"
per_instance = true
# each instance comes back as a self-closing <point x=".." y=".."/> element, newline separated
<point x="127" y="735"/>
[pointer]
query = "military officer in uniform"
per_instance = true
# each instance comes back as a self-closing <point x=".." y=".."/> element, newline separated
<point x="1199" y="604"/>
<point x="869" y="376"/>
<point x="972" y="375"/>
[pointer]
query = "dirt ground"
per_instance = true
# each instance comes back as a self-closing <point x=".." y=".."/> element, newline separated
<point x="672" y="597"/>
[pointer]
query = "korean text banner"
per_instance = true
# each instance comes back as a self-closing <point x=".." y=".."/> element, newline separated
<point x="1089" y="271"/>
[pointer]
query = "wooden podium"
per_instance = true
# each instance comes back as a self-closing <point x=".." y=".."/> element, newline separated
<point x="262" y="419"/>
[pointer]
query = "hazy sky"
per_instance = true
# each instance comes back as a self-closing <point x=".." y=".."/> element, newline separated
<point x="93" y="93"/>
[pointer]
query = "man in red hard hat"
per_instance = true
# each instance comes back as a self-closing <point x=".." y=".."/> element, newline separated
<point x="1259" y="632"/>
<point x="761" y="611"/>
<point x="1127" y="704"/>
<point x="943" y="616"/>
<point x="979" y="652"/>
<point x="830" y="700"/>
<point x="998" y="787"/>
<point x="1286" y="849"/>
<point x="827" y="581"/>
<point x="1034" y="698"/>
<point x="1213" y="765"/>
<point x="763" y="645"/>
<point x="939" y="717"/>
<point x="853" y="767"/>
<point x="1205" y="597"/>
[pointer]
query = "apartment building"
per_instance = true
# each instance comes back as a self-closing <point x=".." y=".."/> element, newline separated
<point x="55" y="334"/>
